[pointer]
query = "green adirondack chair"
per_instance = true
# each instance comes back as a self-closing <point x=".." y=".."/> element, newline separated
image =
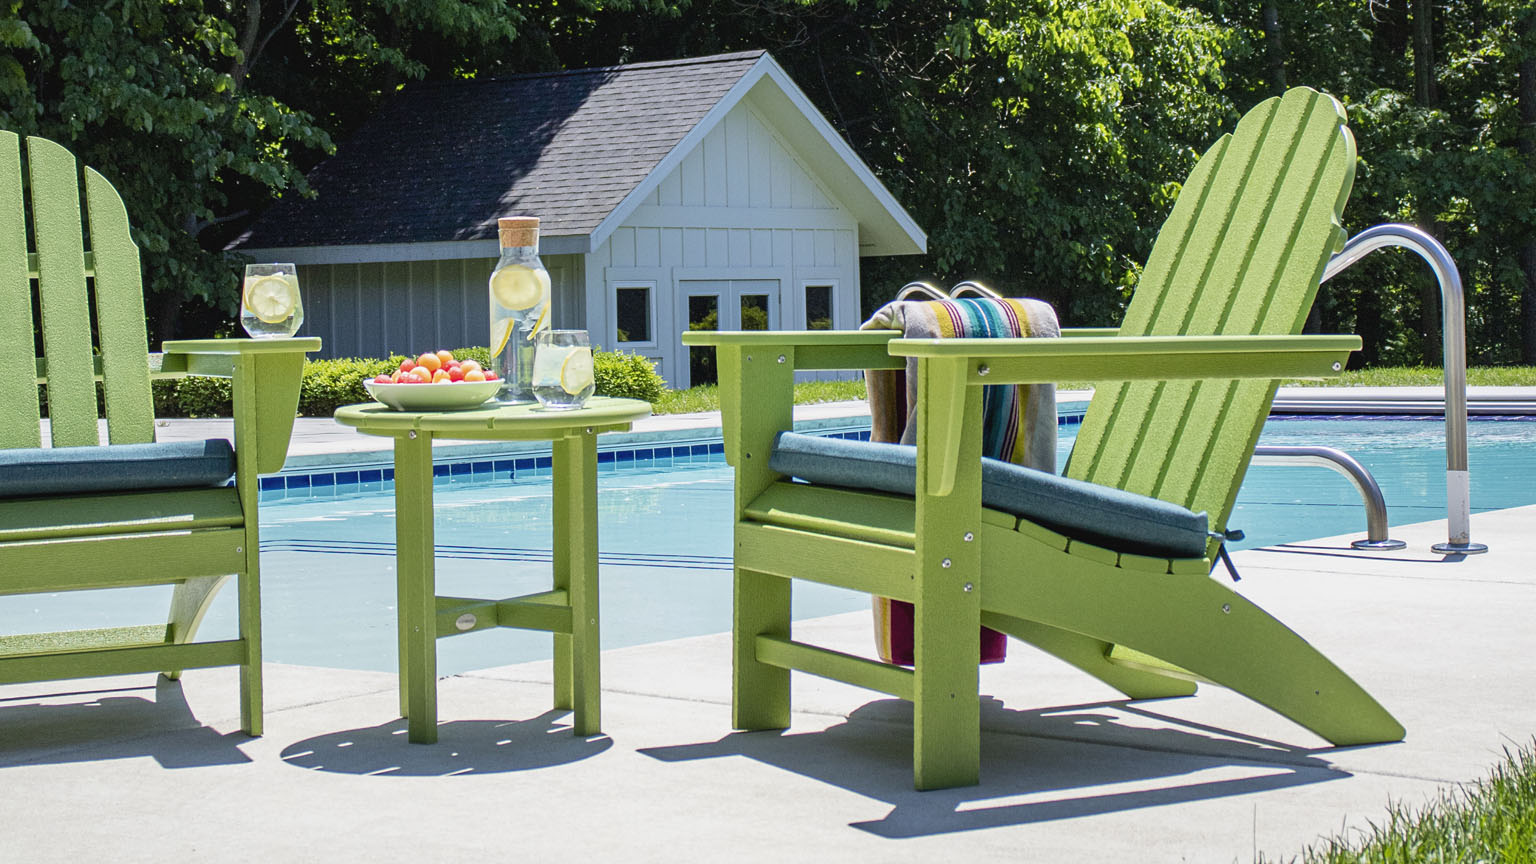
<point x="77" y="515"/>
<point x="1188" y="381"/>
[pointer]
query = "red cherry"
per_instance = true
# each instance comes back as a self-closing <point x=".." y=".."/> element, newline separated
<point x="491" y="376"/>
<point x="455" y="373"/>
<point x="383" y="379"/>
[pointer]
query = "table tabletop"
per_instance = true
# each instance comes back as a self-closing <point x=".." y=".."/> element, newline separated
<point x="495" y="421"/>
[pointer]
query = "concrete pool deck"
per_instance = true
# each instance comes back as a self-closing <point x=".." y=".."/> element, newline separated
<point x="135" y="768"/>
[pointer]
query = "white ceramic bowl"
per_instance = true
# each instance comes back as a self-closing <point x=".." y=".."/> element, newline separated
<point x="458" y="396"/>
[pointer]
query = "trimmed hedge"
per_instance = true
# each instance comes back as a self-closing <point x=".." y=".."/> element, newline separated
<point x="330" y="384"/>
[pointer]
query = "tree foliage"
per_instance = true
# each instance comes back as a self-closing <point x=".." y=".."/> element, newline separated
<point x="1039" y="142"/>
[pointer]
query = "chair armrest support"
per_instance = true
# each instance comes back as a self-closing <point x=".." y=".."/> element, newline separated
<point x="267" y="374"/>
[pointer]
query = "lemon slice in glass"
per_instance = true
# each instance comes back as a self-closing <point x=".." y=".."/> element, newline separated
<point x="517" y="287"/>
<point x="576" y="373"/>
<point x="271" y="298"/>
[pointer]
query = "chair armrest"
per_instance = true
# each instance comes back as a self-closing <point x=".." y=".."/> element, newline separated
<point x="948" y="367"/>
<point x="807" y="349"/>
<point x="267" y="374"/>
<point x="1136" y="358"/>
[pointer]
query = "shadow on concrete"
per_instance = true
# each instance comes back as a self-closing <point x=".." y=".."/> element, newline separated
<point x="112" y="724"/>
<point x="1037" y="765"/>
<point x="463" y="747"/>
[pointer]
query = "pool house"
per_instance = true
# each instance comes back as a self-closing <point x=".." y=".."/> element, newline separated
<point x="705" y="193"/>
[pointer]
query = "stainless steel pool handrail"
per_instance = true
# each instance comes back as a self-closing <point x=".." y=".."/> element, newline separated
<point x="1370" y="493"/>
<point x="960" y="289"/>
<point x="926" y="289"/>
<point x="1453" y="313"/>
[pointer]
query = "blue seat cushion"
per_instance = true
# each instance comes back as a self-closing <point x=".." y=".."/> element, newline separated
<point x="34" y="472"/>
<point x="1101" y="515"/>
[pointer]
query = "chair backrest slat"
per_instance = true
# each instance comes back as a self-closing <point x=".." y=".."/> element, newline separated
<point x="66" y="316"/>
<point x="1242" y="253"/>
<point x="18" y="394"/>
<point x="120" y="325"/>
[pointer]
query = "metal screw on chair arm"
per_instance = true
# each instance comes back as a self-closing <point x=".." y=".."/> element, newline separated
<point x="968" y="587"/>
<point x="1337" y="366"/>
<point x="983" y="370"/>
<point x="1226" y="608"/>
<point x="945" y="563"/>
<point x="969" y="536"/>
<point x="411" y="435"/>
<point x="781" y="358"/>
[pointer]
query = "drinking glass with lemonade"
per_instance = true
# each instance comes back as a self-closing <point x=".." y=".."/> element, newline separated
<point x="563" y="375"/>
<point x="270" y="307"/>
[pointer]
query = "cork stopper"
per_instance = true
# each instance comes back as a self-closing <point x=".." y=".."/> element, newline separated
<point x="518" y="230"/>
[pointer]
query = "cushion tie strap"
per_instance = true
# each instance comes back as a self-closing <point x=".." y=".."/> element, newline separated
<point x="1221" y="551"/>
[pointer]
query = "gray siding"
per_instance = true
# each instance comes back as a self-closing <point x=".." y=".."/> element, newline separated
<point x="378" y="309"/>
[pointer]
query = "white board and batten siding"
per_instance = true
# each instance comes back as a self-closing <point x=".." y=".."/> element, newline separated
<point x="740" y="216"/>
<point x="376" y="309"/>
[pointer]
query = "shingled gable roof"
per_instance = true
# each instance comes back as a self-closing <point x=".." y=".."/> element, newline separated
<point x="440" y="162"/>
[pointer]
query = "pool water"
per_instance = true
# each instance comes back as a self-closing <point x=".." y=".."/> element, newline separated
<point x="665" y="544"/>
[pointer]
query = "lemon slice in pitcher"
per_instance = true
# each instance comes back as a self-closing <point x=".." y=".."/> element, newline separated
<point x="501" y="333"/>
<point x="271" y="299"/>
<point x="576" y="373"/>
<point x="517" y="287"/>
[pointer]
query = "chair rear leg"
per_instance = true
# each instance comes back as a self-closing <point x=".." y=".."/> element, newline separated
<point x="759" y="692"/>
<point x="189" y="603"/>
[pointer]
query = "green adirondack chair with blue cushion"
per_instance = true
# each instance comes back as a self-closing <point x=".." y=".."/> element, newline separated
<point x="82" y="515"/>
<point x="1108" y="567"/>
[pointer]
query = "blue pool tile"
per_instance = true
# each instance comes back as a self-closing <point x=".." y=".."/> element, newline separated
<point x="318" y="480"/>
<point x="605" y="458"/>
<point x="298" y="481"/>
<point x="524" y="464"/>
<point x="459" y="468"/>
<point x="346" y="477"/>
<point x="483" y="468"/>
<point x="542" y="462"/>
<point x="502" y="466"/>
<point x="625" y="457"/>
<point x="440" y="470"/>
<point x="700" y="449"/>
<point x="389" y="474"/>
<point x="269" y="483"/>
<point x="717" y="448"/>
<point x="371" y="475"/>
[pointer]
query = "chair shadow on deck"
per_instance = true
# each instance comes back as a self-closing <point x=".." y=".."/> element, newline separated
<point x="117" y="723"/>
<point x="463" y="747"/>
<point x="1038" y="765"/>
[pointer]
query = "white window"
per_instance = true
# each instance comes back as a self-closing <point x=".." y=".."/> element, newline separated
<point x="819" y="300"/>
<point x="634" y="316"/>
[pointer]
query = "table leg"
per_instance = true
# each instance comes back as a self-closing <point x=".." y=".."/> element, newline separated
<point x="416" y="585"/>
<point x="577" y="682"/>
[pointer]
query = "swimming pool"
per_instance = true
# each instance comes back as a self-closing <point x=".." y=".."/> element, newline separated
<point x="665" y="544"/>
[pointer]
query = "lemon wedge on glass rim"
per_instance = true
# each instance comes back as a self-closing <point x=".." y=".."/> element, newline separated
<point x="271" y="298"/>
<point x="576" y="373"/>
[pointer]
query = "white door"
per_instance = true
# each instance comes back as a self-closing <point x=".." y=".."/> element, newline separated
<point x="722" y="304"/>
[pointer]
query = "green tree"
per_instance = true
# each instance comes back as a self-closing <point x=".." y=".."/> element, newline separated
<point x="1039" y="142"/>
<point x="203" y="111"/>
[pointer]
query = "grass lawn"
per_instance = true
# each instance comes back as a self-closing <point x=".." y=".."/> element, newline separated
<point x="707" y="398"/>
<point x="1490" y="820"/>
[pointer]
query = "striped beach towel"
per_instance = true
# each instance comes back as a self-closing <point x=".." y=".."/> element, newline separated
<point x="1019" y="422"/>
